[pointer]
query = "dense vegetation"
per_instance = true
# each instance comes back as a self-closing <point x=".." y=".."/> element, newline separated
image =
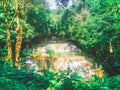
<point x="14" y="79"/>
<point x="93" y="25"/>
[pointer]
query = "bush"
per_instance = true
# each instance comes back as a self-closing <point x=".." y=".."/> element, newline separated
<point x="51" y="52"/>
<point x="9" y="84"/>
<point x="13" y="79"/>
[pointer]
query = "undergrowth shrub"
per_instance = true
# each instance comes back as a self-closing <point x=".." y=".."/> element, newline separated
<point x="13" y="79"/>
<point x="9" y="84"/>
<point x="50" y="51"/>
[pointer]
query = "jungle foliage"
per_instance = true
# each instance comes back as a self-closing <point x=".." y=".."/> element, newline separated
<point x="93" y="25"/>
<point x="13" y="79"/>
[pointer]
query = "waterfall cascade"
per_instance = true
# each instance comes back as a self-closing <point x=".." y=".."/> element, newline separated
<point x="65" y="56"/>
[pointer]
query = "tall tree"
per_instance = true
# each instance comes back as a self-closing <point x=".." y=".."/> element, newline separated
<point x="19" y="31"/>
<point x="8" y="25"/>
<point x="20" y="9"/>
<point x="19" y="15"/>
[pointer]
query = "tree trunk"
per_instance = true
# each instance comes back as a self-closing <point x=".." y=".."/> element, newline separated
<point x="19" y="30"/>
<point x="8" y="36"/>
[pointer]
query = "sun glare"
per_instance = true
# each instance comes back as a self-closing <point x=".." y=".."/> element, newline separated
<point x="52" y="4"/>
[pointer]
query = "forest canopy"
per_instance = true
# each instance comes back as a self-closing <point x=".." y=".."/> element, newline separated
<point x="93" y="25"/>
